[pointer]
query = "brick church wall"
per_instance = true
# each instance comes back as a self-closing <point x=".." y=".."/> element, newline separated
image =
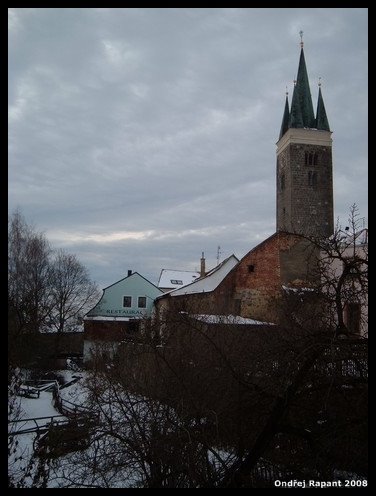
<point x="250" y="288"/>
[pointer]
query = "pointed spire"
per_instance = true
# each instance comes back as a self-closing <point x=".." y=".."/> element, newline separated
<point x="321" y="118"/>
<point x="286" y="117"/>
<point x="296" y="119"/>
<point x="301" y="107"/>
<point x="301" y="114"/>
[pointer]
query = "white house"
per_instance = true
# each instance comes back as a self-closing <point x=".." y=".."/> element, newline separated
<point x="119" y="313"/>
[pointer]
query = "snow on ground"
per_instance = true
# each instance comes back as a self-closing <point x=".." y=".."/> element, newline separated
<point x="76" y="392"/>
<point x="22" y="446"/>
<point x="113" y="461"/>
<point x="67" y="470"/>
<point x="38" y="407"/>
<point x="21" y="451"/>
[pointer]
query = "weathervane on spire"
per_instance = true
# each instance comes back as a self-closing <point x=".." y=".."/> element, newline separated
<point x="301" y="38"/>
<point x="319" y="81"/>
<point x="287" y="93"/>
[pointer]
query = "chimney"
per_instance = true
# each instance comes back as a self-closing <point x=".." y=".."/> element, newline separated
<point x="129" y="272"/>
<point x="202" y="269"/>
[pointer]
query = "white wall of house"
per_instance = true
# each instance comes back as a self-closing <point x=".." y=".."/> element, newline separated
<point x="132" y="296"/>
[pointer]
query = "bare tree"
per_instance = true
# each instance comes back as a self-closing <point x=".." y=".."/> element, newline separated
<point x="141" y="440"/>
<point x="72" y="292"/>
<point x="29" y="280"/>
<point x="337" y="291"/>
<point x="220" y="404"/>
<point x="343" y="272"/>
<point x="47" y="290"/>
<point x="279" y="401"/>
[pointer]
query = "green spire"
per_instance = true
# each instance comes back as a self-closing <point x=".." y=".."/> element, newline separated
<point x="321" y="118"/>
<point x="301" y="107"/>
<point x="301" y="114"/>
<point x="296" y="118"/>
<point x="286" y="118"/>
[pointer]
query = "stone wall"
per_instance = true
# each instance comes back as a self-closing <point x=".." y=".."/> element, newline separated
<point x="305" y="192"/>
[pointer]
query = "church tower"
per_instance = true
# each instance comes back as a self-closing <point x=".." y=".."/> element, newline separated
<point x="304" y="163"/>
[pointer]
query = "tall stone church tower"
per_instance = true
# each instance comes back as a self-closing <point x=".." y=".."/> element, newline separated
<point x="304" y="164"/>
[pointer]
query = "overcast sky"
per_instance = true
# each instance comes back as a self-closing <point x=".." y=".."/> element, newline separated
<point x="139" y="138"/>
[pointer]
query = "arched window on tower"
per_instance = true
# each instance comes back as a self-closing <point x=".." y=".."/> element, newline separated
<point x="310" y="158"/>
<point x="312" y="179"/>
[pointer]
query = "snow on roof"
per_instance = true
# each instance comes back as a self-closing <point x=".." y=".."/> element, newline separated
<point x="292" y="289"/>
<point x="176" y="278"/>
<point x="210" y="281"/>
<point x="228" y="319"/>
<point x="100" y="317"/>
<point x="362" y="236"/>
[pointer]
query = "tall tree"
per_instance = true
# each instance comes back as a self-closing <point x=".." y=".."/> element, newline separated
<point x="47" y="290"/>
<point x="343" y="269"/>
<point x="340" y="273"/>
<point x="29" y="276"/>
<point x="72" y="292"/>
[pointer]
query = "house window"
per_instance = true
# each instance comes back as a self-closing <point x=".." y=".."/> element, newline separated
<point x="315" y="159"/>
<point x="142" y="302"/>
<point x="350" y="265"/>
<point x="251" y="268"/>
<point x="352" y="317"/>
<point x="127" y="301"/>
<point x="312" y="179"/>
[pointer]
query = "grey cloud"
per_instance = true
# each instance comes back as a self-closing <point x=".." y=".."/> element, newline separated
<point x="165" y="121"/>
